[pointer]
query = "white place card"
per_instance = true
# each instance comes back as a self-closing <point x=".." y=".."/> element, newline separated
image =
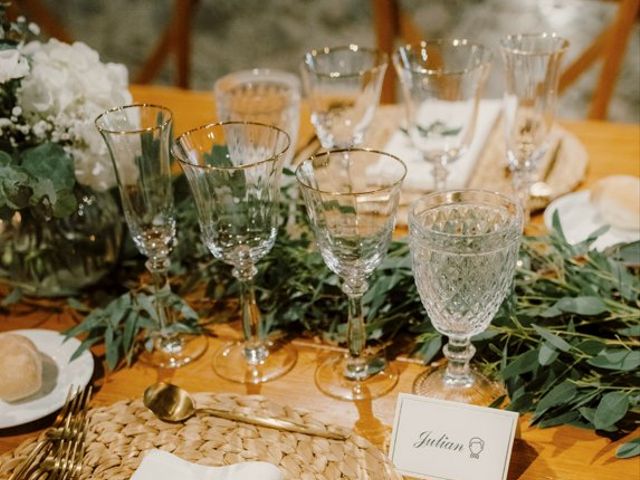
<point x="440" y="440"/>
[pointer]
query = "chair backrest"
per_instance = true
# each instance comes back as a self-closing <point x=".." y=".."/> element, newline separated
<point x="392" y="23"/>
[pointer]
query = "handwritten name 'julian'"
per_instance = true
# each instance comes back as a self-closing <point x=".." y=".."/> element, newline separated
<point x="429" y="439"/>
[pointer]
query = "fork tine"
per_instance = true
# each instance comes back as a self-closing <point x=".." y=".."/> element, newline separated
<point x="62" y="414"/>
<point x="27" y="466"/>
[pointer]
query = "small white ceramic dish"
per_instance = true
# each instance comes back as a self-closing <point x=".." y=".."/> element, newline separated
<point x="58" y="374"/>
<point x="579" y="218"/>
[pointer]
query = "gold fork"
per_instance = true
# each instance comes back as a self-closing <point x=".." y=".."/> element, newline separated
<point x="69" y="424"/>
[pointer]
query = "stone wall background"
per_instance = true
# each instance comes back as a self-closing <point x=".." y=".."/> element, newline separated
<point x="231" y="35"/>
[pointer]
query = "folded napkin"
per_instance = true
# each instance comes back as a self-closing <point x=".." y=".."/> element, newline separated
<point x="419" y="172"/>
<point x="158" y="465"/>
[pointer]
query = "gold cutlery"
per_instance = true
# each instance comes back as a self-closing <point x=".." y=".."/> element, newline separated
<point x="171" y="403"/>
<point x="59" y="454"/>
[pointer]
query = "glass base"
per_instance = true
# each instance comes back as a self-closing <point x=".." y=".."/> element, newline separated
<point x="176" y="352"/>
<point x="475" y="389"/>
<point x="331" y="380"/>
<point x="230" y="363"/>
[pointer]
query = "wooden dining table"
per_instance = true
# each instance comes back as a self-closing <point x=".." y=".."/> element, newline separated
<point x="563" y="453"/>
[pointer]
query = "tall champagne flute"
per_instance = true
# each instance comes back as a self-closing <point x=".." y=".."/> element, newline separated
<point x="343" y="87"/>
<point x="234" y="169"/>
<point x="442" y="82"/>
<point x="464" y="248"/>
<point x="531" y="65"/>
<point x="138" y="138"/>
<point x="351" y="203"/>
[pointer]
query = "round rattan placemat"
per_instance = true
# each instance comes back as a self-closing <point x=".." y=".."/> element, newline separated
<point x="121" y="433"/>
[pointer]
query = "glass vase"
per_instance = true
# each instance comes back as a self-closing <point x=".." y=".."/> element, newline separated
<point x="51" y="257"/>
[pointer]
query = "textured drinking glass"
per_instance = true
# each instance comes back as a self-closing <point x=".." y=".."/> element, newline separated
<point x="138" y="138"/>
<point x="261" y="95"/>
<point x="532" y="64"/>
<point x="464" y="248"/>
<point x="234" y="169"/>
<point x="351" y="203"/>
<point x="442" y="81"/>
<point x="343" y="86"/>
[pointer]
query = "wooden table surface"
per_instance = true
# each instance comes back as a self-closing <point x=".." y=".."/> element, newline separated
<point x="565" y="453"/>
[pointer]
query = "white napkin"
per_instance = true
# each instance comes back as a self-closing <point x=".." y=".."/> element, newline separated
<point x="419" y="173"/>
<point x="161" y="465"/>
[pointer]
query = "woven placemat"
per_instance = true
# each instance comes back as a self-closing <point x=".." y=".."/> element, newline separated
<point x="562" y="168"/>
<point x="120" y="434"/>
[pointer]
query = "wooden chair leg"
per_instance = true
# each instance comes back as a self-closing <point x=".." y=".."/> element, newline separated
<point x="618" y="43"/>
<point x="387" y="27"/>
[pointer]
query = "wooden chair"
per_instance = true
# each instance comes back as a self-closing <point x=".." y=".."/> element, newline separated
<point x="175" y="40"/>
<point x="391" y="23"/>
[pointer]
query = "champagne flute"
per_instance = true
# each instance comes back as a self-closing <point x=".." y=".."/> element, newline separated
<point x="532" y="64"/>
<point x="464" y="248"/>
<point x="234" y="169"/>
<point x="343" y="86"/>
<point x="442" y="81"/>
<point x="138" y="138"/>
<point x="351" y="204"/>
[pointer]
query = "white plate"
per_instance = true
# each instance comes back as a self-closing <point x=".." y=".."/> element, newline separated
<point x="58" y="374"/>
<point x="579" y="218"/>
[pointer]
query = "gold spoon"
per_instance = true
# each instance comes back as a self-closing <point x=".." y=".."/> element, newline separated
<point x="171" y="403"/>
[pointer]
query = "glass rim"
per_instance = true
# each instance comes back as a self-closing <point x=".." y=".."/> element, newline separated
<point x="518" y="219"/>
<point x="382" y="60"/>
<point x="564" y="43"/>
<point x="327" y="153"/>
<point x="136" y="131"/>
<point x="272" y="75"/>
<point x="246" y="166"/>
<point x="455" y="42"/>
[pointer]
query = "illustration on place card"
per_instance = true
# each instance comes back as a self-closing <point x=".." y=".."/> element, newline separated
<point x="442" y="440"/>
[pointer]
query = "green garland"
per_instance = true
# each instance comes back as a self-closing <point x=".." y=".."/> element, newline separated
<point x="565" y="342"/>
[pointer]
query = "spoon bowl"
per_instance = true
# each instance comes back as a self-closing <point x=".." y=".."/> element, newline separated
<point x="169" y="402"/>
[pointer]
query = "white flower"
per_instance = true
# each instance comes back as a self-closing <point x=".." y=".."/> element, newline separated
<point x="12" y="65"/>
<point x="68" y="87"/>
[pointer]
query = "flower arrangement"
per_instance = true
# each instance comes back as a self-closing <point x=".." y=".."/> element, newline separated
<point x="54" y="165"/>
<point x="50" y="94"/>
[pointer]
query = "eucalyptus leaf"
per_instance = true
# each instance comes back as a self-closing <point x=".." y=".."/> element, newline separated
<point x="612" y="407"/>
<point x="629" y="449"/>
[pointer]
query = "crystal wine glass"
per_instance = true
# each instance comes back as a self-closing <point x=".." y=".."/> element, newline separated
<point x="234" y="169"/>
<point x="351" y="198"/>
<point x="532" y="63"/>
<point x="261" y="95"/>
<point x="138" y="138"/>
<point x="464" y="248"/>
<point x="442" y="81"/>
<point x="343" y="86"/>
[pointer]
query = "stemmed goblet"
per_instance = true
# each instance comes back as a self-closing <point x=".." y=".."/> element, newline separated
<point x="464" y="248"/>
<point x="343" y="86"/>
<point x="442" y="81"/>
<point x="234" y="169"/>
<point x="351" y="204"/>
<point x="532" y="64"/>
<point x="138" y="138"/>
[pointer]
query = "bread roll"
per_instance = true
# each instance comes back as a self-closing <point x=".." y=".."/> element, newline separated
<point x="20" y="367"/>
<point x="617" y="199"/>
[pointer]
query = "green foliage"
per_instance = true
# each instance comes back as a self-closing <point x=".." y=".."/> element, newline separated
<point x="565" y="341"/>
<point x="41" y="178"/>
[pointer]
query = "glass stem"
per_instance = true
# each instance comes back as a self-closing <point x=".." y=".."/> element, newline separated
<point x="459" y="352"/>
<point x="356" y="368"/>
<point x="255" y="351"/>
<point x="159" y="269"/>
<point x="522" y="180"/>
<point x="440" y="174"/>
